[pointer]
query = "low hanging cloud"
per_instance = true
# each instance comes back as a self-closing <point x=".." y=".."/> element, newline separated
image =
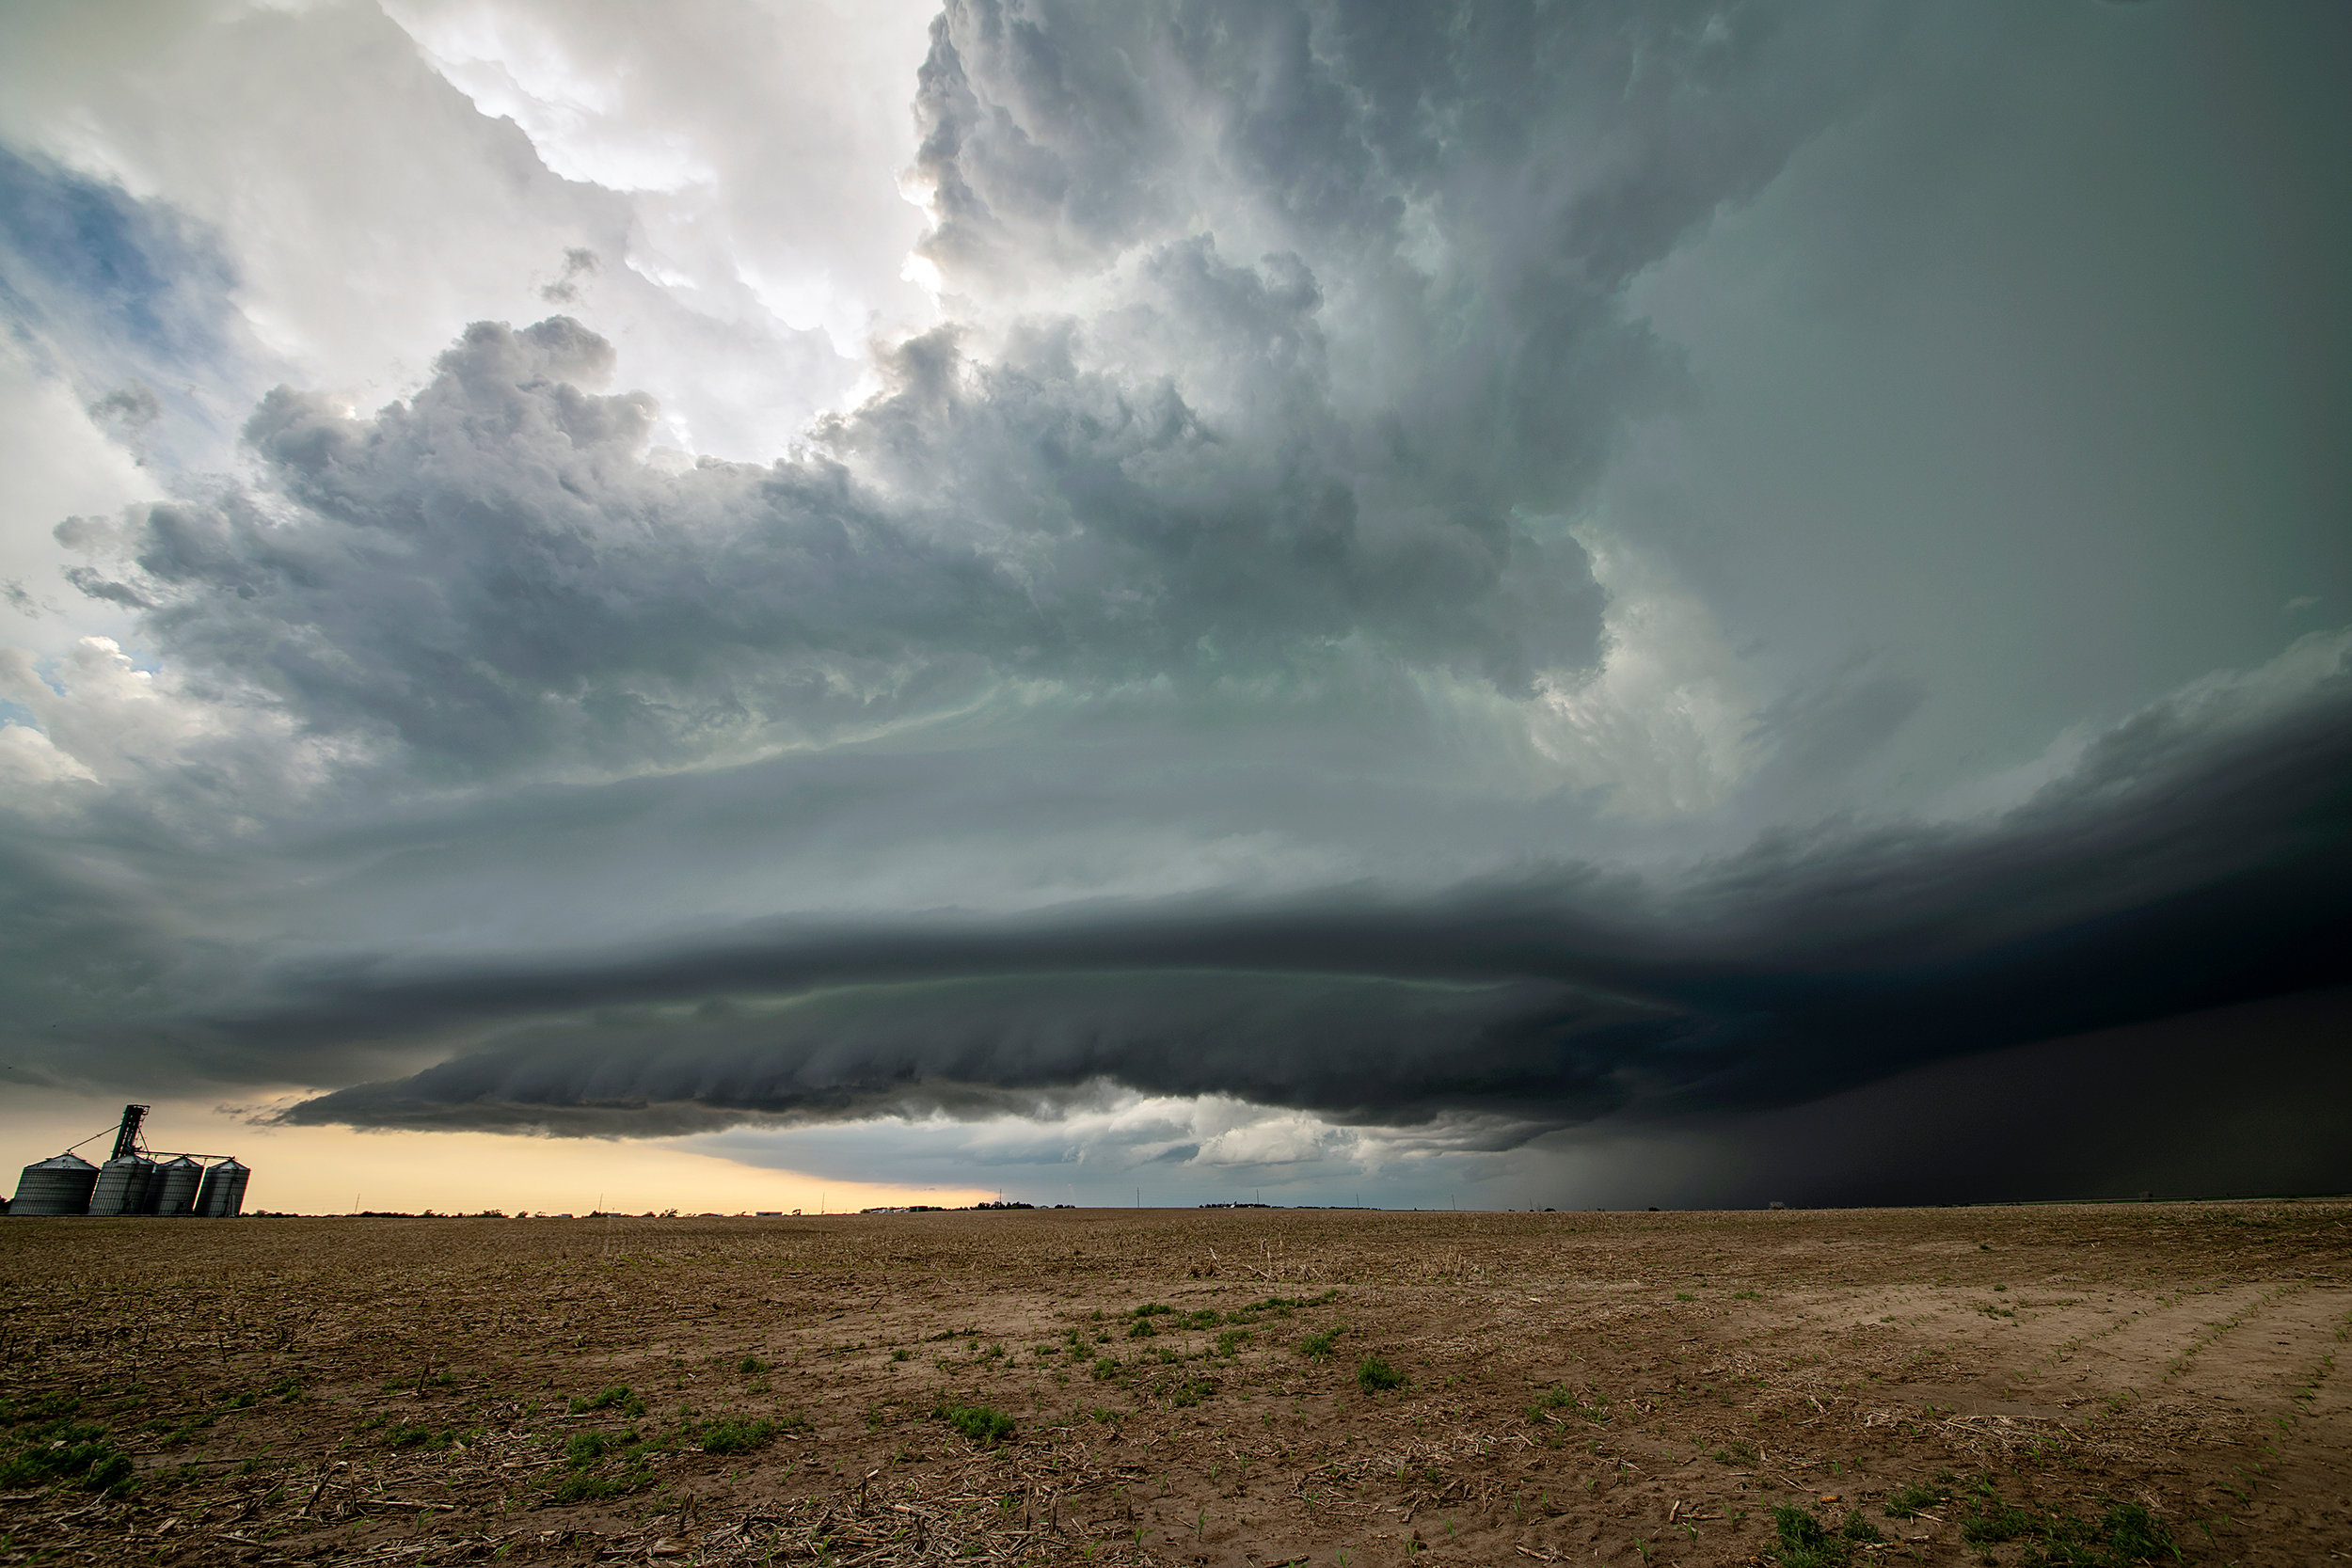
<point x="2195" y="858"/>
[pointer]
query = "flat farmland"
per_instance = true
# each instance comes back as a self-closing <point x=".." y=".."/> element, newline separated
<point x="2079" y="1385"/>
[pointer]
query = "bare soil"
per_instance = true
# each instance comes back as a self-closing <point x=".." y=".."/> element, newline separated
<point x="2076" y="1384"/>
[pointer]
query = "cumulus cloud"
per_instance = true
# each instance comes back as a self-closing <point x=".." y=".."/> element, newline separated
<point x="489" y="575"/>
<point x="1254" y="427"/>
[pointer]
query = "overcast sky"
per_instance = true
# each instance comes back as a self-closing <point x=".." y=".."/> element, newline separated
<point x="737" y="605"/>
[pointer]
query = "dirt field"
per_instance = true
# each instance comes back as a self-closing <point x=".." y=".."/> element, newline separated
<point x="2010" y="1385"/>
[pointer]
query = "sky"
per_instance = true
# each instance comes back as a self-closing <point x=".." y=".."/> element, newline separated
<point x="837" y="602"/>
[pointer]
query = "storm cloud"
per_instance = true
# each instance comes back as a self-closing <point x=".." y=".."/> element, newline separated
<point x="1249" y="556"/>
<point x="2196" y="857"/>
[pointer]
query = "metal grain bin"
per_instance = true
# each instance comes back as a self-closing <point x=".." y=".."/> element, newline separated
<point x="58" y="1185"/>
<point x="173" y="1193"/>
<point x="222" y="1196"/>
<point x="123" y="1185"/>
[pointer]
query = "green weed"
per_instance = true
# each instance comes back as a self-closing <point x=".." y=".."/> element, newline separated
<point x="63" y="1449"/>
<point x="735" y="1437"/>
<point x="1561" y="1397"/>
<point x="982" y="1424"/>
<point x="617" y="1397"/>
<point x="1906" y="1502"/>
<point x="2122" y="1537"/>
<point x="1805" y="1544"/>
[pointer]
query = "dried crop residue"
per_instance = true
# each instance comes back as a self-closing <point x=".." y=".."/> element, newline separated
<point x="1218" y="1388"/>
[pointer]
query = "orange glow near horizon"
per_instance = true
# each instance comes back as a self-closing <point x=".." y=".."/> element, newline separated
<point x="334" y="1170"/>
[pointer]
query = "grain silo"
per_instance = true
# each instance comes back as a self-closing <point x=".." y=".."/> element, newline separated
<point x="122" y="1184"/>
<point x="222" y="1195"/>
<point x="58" y="1185"/>
<point x="131" y="1181"/>
<point x="172" y="1192"/>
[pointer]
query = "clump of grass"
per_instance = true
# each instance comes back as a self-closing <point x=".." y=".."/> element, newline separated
<point x="981" y="1423"/>
<point x="1373" y="1374"/>
<point x="618" y="1398"/>
<point x="2125" y="1536"/>
<point x="735" y="1437"/>
<point x="64" y="1449"/>
<point x="1991" y="1519"/>
<point x="1317" y="1347"/>
<point x="1153" y="1309"/>
<point x="1804" y="1543"/>
<point x="585" y="1448"/>
<point x="1561" y="1397"/>
<point x="1229" y="1343"/>
<point x="752" y="1365"/>
<point x="1208" y="1317"/>
<point x="1183" y="1393"/>
<point x="432" y="1439"/>
<point x="2135" y="1535"/>
<point x="1906" y="1502"/>
<point x="1142" y="1329"/>
<point x="47" y="1406"/>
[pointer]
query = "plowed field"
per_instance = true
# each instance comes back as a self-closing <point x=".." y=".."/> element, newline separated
<point x="2081" y="1385"/>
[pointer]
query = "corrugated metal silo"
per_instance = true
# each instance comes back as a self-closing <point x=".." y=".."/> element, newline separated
<point x="173" y="1193"/>
<point x="222" y="1195"/>
<point x="121" y="1186"/>
<point x="58" y="1185"/>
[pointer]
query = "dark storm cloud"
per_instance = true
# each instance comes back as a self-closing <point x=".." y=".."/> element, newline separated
<point x="2233" y="1101"/>
<point x="1287" y="345"/>
<point x="2191" y="860"/>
